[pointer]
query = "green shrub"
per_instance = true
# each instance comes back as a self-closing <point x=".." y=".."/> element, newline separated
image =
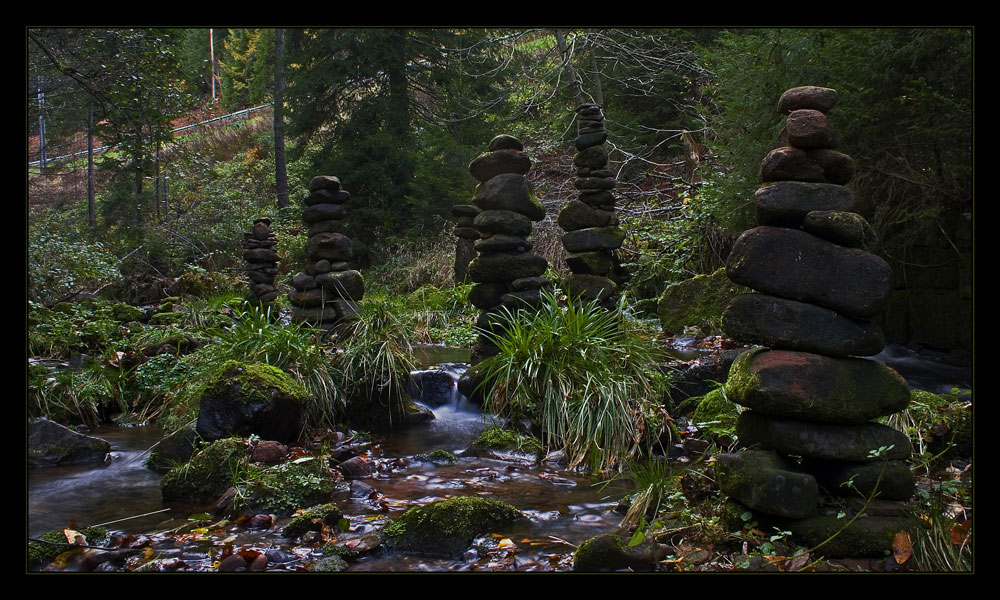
<point x="581" y="372"/>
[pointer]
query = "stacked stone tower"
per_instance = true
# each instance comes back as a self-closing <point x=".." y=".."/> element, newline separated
<point x="262" y="260"/>
<point x="807" y="393"/>
<point x="329" y="290"/>
<point x="506" y="273"/>
<point x="592" y="233"/>
<point x="465" y="245"/>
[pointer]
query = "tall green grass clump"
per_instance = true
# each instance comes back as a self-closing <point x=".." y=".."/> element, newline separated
<point x="376" y="360"/>
<point x="257" y="336"/>
<point x="582" y="373"/>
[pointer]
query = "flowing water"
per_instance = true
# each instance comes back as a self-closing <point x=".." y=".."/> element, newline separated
<point x="564" y="507"/>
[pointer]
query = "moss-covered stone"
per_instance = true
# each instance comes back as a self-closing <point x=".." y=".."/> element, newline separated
<point x="286" y="487"/>
<point x="813" y="387"/>
<point x="715" y="416"/>
<point x="866" y="536"/>
<point x="314" y="519"/>
<point x="126" y="312"/>
<point x="449" y="526"/>
<point x="244" y="399"/>
<point x="442" y="456"/>
<point x="700" y="299"/>
<point x="167" y="318"/>
<point x="610" y="552"/>
<point x="209" y="473"/>
<point x="495" y="442"/>
<point x="860" y="443"/>
<point x="328" y="564"/>
<point x="41" y="553"/>
<point x="766" y="482"/>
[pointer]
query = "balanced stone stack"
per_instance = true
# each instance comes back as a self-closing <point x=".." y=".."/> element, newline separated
<point x="328" y="291"/>
<point x="262" y="260"/>
<point x="592" y="233"/>
<point x="808" y="394"/>
<point x="506" y="273"/>
<point x="467" y="234"/>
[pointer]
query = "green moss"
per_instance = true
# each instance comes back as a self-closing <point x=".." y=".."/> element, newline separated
<point x="126" y="312"/>
<point x="289" y="486"/>
<point x="209" y="472"/>
<point x="40" y="553"/>
<point x="696" y="301"/>
<point x="449" y="526"/>
<point x="741" y="380"/>
<point x="715" y="416"/>
<point x="610" y="552"/>
<point x="314" y="519"/>
<point x="496" y="438"/>
<point x="442" y="456"/>
<point x="167" y="318"/>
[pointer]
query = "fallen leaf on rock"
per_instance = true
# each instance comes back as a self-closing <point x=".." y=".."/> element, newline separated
<point x="902" y="549"/>
<point x="75" y="537"/>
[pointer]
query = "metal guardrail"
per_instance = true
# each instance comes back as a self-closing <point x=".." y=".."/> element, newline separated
<point x="245" y="111"/>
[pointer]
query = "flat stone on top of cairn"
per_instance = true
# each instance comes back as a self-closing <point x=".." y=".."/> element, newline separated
<point x="817" y="288"/>
<point x="329" y="290"/>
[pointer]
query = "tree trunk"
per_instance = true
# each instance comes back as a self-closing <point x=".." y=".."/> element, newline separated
<point x="91" y="217"/>
<point x="280" y="166"/>
<point x="568" y="66"/>
<point x="598" y="93"/>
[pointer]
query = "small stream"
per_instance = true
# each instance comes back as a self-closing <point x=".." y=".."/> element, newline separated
<point x="563" y="506"/>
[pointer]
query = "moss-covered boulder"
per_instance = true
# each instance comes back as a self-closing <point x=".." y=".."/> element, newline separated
<point x="504" y="444"/>
<point x="284" y="488"/>
<point x="208" y="474"/>
<point x="243" y="399"/>
<point x="446" y="528"/>
<point x="314" y="519"/>
<point x="811" y="387"/>
<point x="890" y="480"/>
<point x="695" y="301"/>
<point x="611" y="552"/>
<point x="866" y="536"/>
<point x="767" y="482"/>
<point x="126" y="312"/>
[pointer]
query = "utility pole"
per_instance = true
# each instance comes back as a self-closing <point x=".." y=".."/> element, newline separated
<point x="41" y="125"/>
<point x="211" y="53"/>
<point x="91" y="218"/>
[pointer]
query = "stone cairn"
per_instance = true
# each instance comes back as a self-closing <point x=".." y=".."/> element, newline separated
<point x="328" y="291"/>
<point x="506" y="273"/>
<point x="592" y="233"/>
<point x="262" y="260"/>
<point x="818" y="287"/>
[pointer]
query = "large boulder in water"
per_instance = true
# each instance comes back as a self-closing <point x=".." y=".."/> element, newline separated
<point x="244" y="399"/>
<point x="52" y="445"/>
<point x="446" y="528"/>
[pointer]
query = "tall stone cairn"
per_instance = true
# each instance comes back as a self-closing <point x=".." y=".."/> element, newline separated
<point x="262" y="260"/>
<point x="506" y="273"/>
<point x="465" y="245"/>
<point x="807" y="393"/>
<point x="592" y="235"/>
<point x="329" y="291"/>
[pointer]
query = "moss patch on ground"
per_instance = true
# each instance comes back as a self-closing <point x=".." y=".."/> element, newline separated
<point x="209" y="473"/>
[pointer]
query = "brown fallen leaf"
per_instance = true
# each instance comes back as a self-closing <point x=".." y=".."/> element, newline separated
<point x="902" y="549"/>
<point x="960" y="533"/>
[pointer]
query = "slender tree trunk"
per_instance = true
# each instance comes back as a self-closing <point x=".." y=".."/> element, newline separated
<point x="91" y="217"/>
<point x="280" y="166"/>
<point x="156" y="182"/>
<point x="598" y="93"/>
<point x="568" y="66"/>
<point x="41" y="127"/>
